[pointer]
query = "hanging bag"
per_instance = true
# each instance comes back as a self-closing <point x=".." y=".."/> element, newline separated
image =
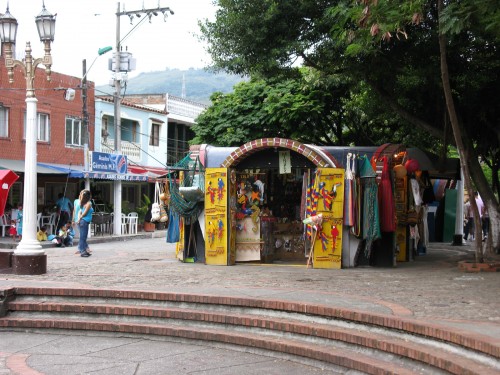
<point x="428" y="195"/>
<point x="173" y="231"/>
<point x="155" y="209"/>
<point x="163" y="208"/>
<point x="349" y="212"/>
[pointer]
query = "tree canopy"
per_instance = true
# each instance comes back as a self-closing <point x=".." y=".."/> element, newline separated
<point x="394" y="49"/>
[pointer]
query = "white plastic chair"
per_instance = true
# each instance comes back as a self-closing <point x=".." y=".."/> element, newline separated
<point x="124" y="223"/>
<point x="39" y="220"/>
<point x="51" y="225"/>
<point x="133" y="219"/>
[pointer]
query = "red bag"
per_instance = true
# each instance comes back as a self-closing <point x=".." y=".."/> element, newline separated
<point x="412" y="165"/>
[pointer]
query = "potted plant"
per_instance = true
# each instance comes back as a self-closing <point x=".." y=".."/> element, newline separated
<point x="142" y="210"/>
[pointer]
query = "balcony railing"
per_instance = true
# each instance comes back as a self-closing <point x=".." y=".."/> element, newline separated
<point x="130" y="149"/>
<point x="184" y="107"/>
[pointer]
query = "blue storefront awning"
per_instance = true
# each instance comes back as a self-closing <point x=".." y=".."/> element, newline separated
<point x="78" y="172"/>
<point x="18" y="166"/>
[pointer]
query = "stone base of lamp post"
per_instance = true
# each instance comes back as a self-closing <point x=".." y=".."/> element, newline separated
<point x="6" y="259"/>
<point x="457" y="240"/>
<point x="29" y="264"/>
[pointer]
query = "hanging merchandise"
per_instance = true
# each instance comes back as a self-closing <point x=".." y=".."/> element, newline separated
<point x="358" y="196"/>
<point x="386" y="200"/>
<point x="400" y="171"/>
<point x="163" y="213"/>
<point x="187" y="191"/>
<point x="173" y="231"/>
<point x="415" y="189"/>
<point x="412" y="165"/>
<point x="371" y="220"/>
<point x="155" y="209"/>
<point x="349" y="212"/>
<point x="428" y="195"/>
<point x="161" y="202"/>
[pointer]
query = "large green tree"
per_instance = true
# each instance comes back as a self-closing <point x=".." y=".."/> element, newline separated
<point x="397" y="49"/>
<point x="308" y="108"/>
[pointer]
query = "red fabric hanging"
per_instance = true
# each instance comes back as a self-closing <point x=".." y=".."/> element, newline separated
<point x="386" y="200"/>
<point x="7" y="178"/>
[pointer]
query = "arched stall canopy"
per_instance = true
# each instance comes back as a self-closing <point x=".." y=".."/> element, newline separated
<point x="258" y="195"/>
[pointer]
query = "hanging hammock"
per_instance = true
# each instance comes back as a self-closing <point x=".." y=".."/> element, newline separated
<point x="187" y="192"/>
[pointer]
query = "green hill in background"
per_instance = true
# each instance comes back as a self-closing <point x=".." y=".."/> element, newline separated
<point x="199" y="84"/>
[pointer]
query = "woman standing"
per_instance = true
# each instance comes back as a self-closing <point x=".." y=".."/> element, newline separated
<point x="84" y="219"/>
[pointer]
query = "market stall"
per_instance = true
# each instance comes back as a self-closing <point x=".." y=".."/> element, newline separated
<point x="260" y="199"/>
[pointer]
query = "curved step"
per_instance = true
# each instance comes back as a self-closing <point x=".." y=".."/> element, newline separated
<point x="478" y="343"/>
<point x="339" y="357"/>
<point x="456" y="363"/>
<point x="242" y="321"/>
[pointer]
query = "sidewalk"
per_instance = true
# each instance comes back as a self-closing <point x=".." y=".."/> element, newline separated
<point x="429" y="289"/>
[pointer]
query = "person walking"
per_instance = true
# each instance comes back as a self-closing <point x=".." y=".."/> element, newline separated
<point x="84" y="220"/>
<point x="485" y="220"/>
<point x="469" y="220"/>
<point x="64" y="210"/>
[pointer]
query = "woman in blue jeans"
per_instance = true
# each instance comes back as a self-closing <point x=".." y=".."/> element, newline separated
<point x="84" y="219"/>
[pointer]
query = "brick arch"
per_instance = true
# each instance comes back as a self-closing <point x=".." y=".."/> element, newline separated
<point x="313" y="153"/>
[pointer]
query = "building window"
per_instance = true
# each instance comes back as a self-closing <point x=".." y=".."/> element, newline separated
<point x="43" y="121"/>
<point x="74" y="132"/>
<point x="4" y="121"/>
<point x="154" y="138"/>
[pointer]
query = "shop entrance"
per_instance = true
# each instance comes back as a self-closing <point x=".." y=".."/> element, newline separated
<point x="280" y="237"/>
<point x="261" y="218"/>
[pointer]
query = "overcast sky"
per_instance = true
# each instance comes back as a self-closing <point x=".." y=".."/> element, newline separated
<point x="84" y="26"/>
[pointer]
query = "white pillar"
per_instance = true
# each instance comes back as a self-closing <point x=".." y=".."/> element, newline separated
<point x="29" y="245"/>
<point x="117" y="222"/>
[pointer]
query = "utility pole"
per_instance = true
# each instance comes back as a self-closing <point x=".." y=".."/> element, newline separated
<point x="117" y="206"/>
<point x="149" y="13"/>
<point x="85" y="113"/>
<point x="85" y="121"/>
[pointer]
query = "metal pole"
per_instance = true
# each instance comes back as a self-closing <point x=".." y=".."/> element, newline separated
<point x="117" y="225"/>
<point x="85" y="113"/>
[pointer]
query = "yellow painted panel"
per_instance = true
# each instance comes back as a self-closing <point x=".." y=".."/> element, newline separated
<point x="401" y="243"/>
<point x="179" y="247"/>
<point x="328" y="240"/>
<point x="216" y="216"/>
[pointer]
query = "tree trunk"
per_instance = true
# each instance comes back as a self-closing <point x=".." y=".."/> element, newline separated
<point x="459" y="136"/>
<point x="488" y="197"/>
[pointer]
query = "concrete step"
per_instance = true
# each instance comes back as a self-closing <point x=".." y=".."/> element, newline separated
<point x="272" y="325"/>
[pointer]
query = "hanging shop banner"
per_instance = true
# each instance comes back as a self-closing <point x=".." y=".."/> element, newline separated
<point x="114" y="176"/>
<point x="285" y="164"/>
<point x="329" y="192"/>
<point x="216" y="216"/>
<point x="110" y="163"/>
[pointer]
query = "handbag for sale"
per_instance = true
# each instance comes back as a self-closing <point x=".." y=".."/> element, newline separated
<point x="155" y="209"/>
<point x="163" y="213"/>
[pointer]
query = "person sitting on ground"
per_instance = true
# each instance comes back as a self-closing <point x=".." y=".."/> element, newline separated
<point x="42" y="234"/>
<point x="67" y="234"/>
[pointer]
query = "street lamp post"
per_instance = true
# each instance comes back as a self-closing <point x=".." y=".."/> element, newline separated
<point x="29" y="257"/>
